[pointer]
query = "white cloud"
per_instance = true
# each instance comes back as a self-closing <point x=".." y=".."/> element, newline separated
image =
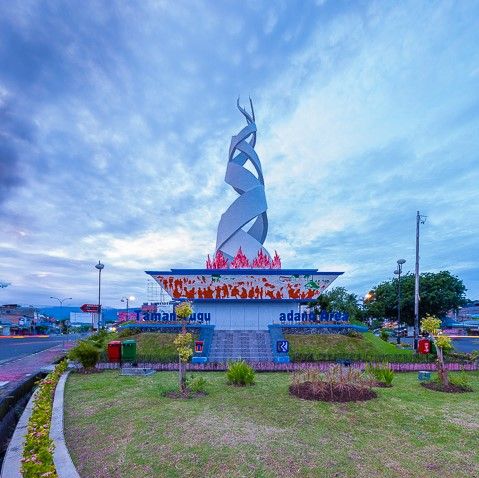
<point x="369" y="119"/>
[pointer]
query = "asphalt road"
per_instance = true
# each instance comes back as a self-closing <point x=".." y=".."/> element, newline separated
<point x="12" y="349"/>
<point x="464" y="345"/>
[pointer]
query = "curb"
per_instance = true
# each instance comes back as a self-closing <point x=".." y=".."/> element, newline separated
<point x="12" y="462"/>
<point x="61" y="457"/>
<point x="288" y="367"/>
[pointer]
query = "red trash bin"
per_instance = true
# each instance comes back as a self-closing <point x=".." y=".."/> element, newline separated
<point x="114" y="351"/>
<point x="424" y="346"/>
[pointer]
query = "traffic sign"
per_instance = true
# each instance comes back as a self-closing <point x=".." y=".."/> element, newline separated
<point x="282" y="346"/>
<point x="89" y="308"/>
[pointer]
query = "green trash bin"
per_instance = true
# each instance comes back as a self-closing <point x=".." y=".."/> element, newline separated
<point x="128" y="351"/>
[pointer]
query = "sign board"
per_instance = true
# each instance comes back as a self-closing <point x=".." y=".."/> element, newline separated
<point x="199" y="346"/>
<point x="83" y="318"/>
<point x="123" y="316"/>
<point x="424" y="346"/>
<point x="92" y="308"/>
<point x="282" y="346"/>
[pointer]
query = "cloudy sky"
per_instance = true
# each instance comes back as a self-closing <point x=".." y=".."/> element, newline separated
<point x="116" y="118"/>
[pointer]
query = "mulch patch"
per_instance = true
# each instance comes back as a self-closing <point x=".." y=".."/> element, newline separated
<point x="438" y="387"/>
<point x="331" y="393"/>
<point x="183" y="396"/>
<point x="86" y="371"/>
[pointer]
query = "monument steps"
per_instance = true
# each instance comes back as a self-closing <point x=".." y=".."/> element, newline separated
<point x="248" y="345"/>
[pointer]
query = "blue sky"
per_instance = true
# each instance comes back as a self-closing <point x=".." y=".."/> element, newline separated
<point x="116" y="117"/>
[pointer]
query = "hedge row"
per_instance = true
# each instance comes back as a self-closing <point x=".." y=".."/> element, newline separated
<point x="317" y="356"/>
<point x="38" y="449"/>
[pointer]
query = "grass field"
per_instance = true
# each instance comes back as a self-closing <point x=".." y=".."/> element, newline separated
<point x="315" y="346"/>
<point x="158" y="346"/>
<point x="123" y="427"/>
<point x="153" y="346"/>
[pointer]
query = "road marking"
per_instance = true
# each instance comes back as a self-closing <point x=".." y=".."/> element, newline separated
<point x="24" y="336"/>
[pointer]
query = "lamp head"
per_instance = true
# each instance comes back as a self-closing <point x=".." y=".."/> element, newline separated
<point x="401" y="261"/>
<point x="100" y="266"/>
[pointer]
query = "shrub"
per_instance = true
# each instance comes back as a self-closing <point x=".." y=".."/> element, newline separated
<point x="354" y="334"/>
<point x="38" y="449"/>
<point x="86" y="353"/>
<point x="460" y="380"/>
<point x="129" y="332"/>
<point x="384" y="335"/>
<point x="100" y="339"/>
<point x="197" y="384"/>
<point x="388" y="376"/>
<point x="382" y="373"/>
<point x="240" y="373"/>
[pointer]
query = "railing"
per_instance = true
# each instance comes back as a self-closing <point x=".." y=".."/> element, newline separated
<point x="291" y="367"/>
<point x="313" y="356"/>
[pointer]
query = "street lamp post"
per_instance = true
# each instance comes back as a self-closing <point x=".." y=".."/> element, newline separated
<point x="100" y="267"/>
<point x="61" y="300"/>
<point x="398" y="271"/>
<point x="127" y="300"/>
<point x="61" y="313"/>
<point x="61" y="303"/>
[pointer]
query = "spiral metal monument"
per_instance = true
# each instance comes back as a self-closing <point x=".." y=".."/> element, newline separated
<point x="242" y="287"/>
<point x="250" y="206"/>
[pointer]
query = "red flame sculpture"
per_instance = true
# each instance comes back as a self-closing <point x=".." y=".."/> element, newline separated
<point x="276" y="262"/>
<point x="262" y="261"/>
<point x="240" y="261"/>
<point x="219" y="261"/>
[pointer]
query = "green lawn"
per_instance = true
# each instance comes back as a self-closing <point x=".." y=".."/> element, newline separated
<point x="154" y="346"/>
<point x="317" y="346"/>
<point x="123" y="427"/>
<point x="158" y="346"/>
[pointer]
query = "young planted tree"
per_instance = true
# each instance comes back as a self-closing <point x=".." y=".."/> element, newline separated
<point x="432" y="325"/>
<point x="183" y="342"/>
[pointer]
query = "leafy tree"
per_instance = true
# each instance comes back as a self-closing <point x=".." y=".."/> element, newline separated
<point x="338" y="299"/>
<point x="439" y="293"/>
<point x="432" y="325"/>
<point x="183" y="342"/>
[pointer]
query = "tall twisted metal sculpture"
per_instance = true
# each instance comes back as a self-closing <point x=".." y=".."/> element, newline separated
<point x="250" y="206"/>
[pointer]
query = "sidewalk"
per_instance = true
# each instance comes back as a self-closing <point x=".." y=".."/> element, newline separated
<point x="16" y="371"/>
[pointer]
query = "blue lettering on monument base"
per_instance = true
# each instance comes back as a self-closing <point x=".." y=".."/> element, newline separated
<point x="199" y="318"/>
<point x="324" y="316"/>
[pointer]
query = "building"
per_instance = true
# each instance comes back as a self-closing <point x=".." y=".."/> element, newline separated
<point x="16" y="319"/>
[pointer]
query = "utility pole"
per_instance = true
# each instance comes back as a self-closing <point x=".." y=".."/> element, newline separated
<point x="100" y="267"/>
<point x="419" y="220"/>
